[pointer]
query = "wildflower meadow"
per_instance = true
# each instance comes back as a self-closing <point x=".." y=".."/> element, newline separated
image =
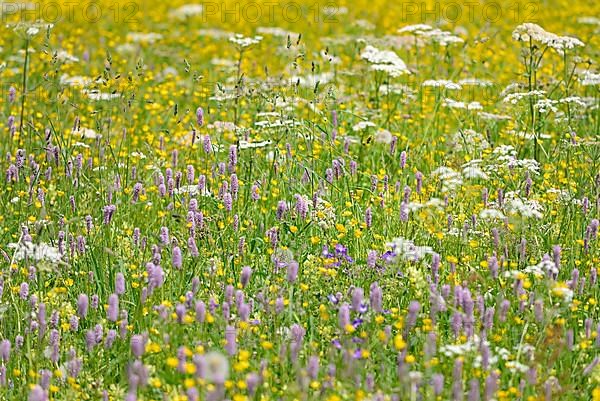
<point x="300" y="200"/>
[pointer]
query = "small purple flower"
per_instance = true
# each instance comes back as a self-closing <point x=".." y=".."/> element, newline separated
<point x="200" y="116"/>
<point x="120" y="284"/>
<point x="177" y="258"/>
<point x="344" y="316"/>
<point x="413" y="310"/>
<point x="227" y="201"/>
<point x="200" y="309"/>
<point x="232" y="157"/>
<point x="164" y="235"/>
<point x="207" y="145"/>
<point x="493" y="266"/>
<point x="12" y="94"/>
<point x="5" y="350"/>
<point x="137" y="190"/>
<point x="372" y="258"/>
<point x="138" y="345"/>
<point x="368" y="217"/>
<point x="230" y="340"/>
<point x="24" y="291"/>
<point x="37" y="393"/>
<point x="112" y="312"/>
<point x="357" y="299"/>
<point x="252" y="381"/>
<point x="245" y="276"/>
<point x="437" y="382"/>
<point x="108" y="212"/>
<point x="292" y="271"/>
<point x="281" y="209"/>
<point x="376" y="297"/>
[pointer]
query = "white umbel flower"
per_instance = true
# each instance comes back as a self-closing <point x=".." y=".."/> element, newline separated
<point x="36" y="252"/>
<point x="533" y="32"/>
<point x="384" y="60"/>
<point x="245" y="41"/>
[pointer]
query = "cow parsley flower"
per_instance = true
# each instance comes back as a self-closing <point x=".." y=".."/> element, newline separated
<point x="453" y="104"/>
<point x="144" y="37"/>
<point x="384" y="60"/>
<point x="36" y="252"/>
<point x="362" y="125"/>
<point x="443" y="38"/>
<point x="416" y="29"/>
<point x="589" y="78"/>
<point x="526" y="208"/>
<point x="491" y="214"/>
<point x="244" y="42"/>
<point x="441" y="83"/>
<point x="532" y="32"/>
<point x="406" y="249"/>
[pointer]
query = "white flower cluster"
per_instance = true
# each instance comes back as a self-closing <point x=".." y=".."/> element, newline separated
<point x="96" y="95"/>
<point x="383" y="136"/>
<point x="384" y="60"/>
<point x="254" y="145"/>
<point x="87" y="133"/>
<point x="564" y="292"/>
<point x="504" y="157"/>
<point x="223" y="126"/>
<point x="450" y="178"/>
<point x="442" y="83"/>
<point x="245" y="41"/>
<point x="494" y="117"/>
<point x="563" y="196"/>
<point x="491" y="214"/>
<point x="433" y="203"/>
<point x="546" y="105"/>
<point x="417" y="29"/>
<point x="37" y="252"/>
<point x="454" y="104"/>
<point x="310" y="81"/>
<point x="192" y="190"/>
<point x="454" y="350"/>
<point x="275" y="31"/>
<point x="407" y="250"/>
<point x="469" y="140"/>
<point x="362" y="125"/>
<point x="443" y="38"/>
<point x="65" y="57"/>
<point x="473" y="171"/>
<point x="323" y="213"/>
<point x="533" y="32"/>
<point x="514" y="98"/>
<point x="277" y="123"/>
<point x="30" y="28"/>
<point x="589" y="78"/>
<point x="526" y="208"/>
<point x="475" y="82"/>
<point x="539" y="270"/>
<point x="141" y="37"/>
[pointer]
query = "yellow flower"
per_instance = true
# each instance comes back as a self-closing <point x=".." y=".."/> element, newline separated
<point x="399" y="343"/>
